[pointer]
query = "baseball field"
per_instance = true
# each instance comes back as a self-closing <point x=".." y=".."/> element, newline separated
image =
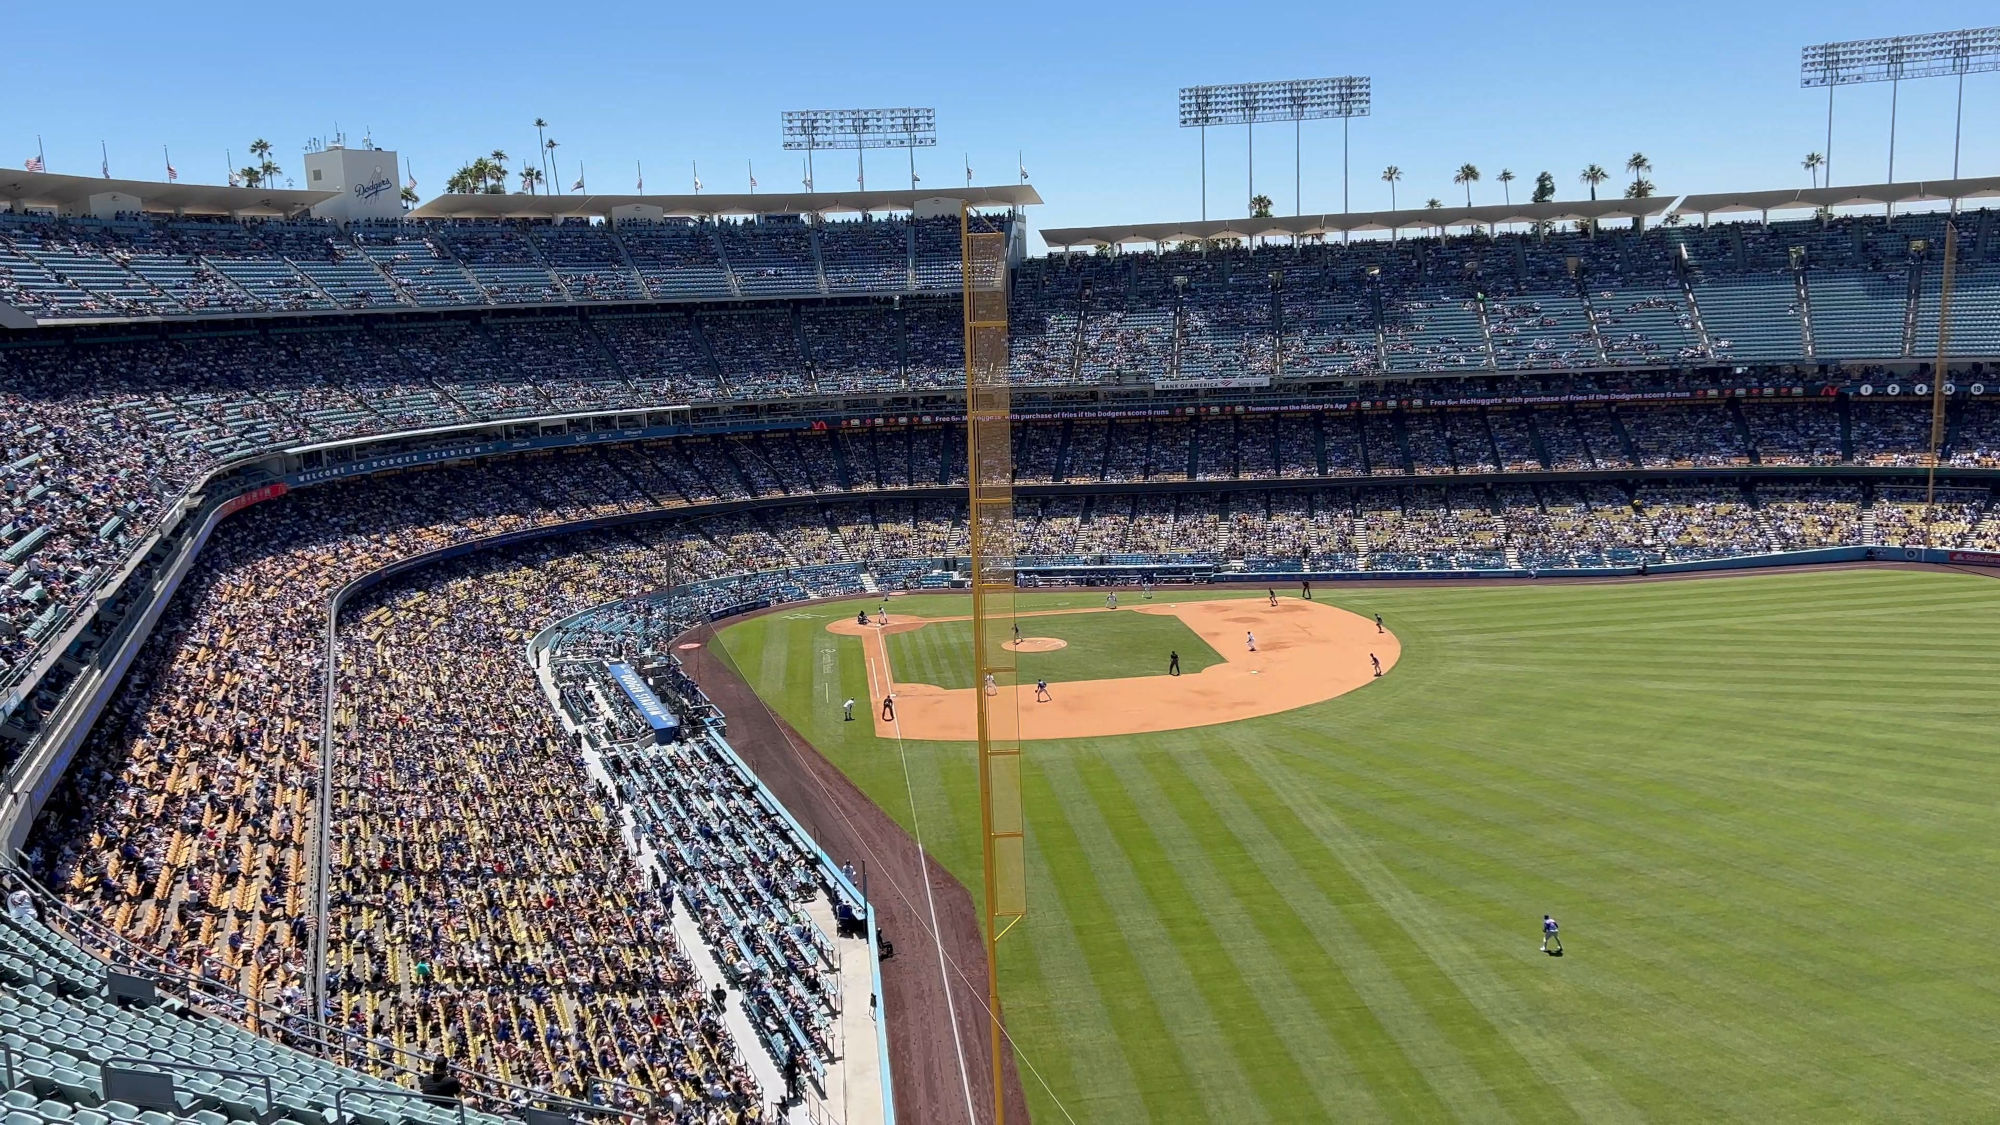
<point x="1763" y="809"/>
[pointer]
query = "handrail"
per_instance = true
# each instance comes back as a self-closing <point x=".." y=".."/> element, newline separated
<point x="340" y="1100"/>
<point x="172" y="1066"/>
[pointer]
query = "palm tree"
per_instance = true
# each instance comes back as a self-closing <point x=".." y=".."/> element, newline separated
<point x="1640" y="188"/>
<point x="1545" y="187"/>
<point x="408" y="196"/>
<point x="1432" y="204"/>
<point x="1638" y="165"/>
<point x="1260" y="206"/>
<point x="251" y="176"/>
<point x="549" y="146"/>
<point x="1468" y="175"/>
<point x="499" y="158"/>
<point x="1506" y="177"/>
<point x="1391" y="176"/>
<point x="1812" y="163"/>
<point x="267" y="169"/>
<point x="541" y="144"/>
<point x="1594" y="174"/>
<point x="465" y="181"/>
<point x="530" y="179"/>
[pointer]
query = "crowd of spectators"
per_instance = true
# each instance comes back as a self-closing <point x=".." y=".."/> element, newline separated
<point x="57" y="268"/>
<point x="97" y="441"/>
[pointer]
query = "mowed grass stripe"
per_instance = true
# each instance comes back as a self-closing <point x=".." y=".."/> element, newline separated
<point x="1046" y="978"/>
<point x="1400" y="1054"/>
<point x="1463" y="969"/>
<point x="1241" y="909"/>
<point x="1385" y="1048"/>
<point x="1164" y="1088"/>
<point x="1206" y="1048"/>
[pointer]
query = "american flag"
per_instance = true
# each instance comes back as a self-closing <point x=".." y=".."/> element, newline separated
<point x="753" y="183"/>
<point x="578" y="185"/>
<point x="697" y="183"/>
<point x="235" y="180"/>
<point x="172" y="173"/>
<point x="34" y="164"/>
<point x="412" y="184"/>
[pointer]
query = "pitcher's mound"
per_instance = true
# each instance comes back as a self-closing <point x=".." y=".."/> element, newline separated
<point x="1038" y="644"/>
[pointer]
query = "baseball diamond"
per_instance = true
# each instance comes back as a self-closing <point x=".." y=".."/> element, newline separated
<point x="917" y="648"/>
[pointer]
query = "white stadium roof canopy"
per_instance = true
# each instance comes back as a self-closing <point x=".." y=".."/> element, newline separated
<point x="1415" y="218"/>
<point x="493" y="206"/>
<point x="73" y="194"/>
<point x="1864" y="195"/>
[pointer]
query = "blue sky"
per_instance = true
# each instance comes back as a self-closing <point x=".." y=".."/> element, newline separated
<point x="1086" y="92"/>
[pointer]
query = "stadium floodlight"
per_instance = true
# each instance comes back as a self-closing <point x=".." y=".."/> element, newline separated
<point x="1936" y="55"/>
<point x="907" y="127"/>
<point x="1253" y="103"/>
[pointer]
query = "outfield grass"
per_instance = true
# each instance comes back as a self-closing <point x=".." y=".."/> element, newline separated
<point x="1762" y="807"/>
<point x="1102" y="646"/>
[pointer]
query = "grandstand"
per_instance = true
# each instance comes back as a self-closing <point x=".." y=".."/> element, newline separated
<point x="296" y="511"/>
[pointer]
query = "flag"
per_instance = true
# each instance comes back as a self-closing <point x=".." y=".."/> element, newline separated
<point x="753" y="183"/>
<point x="412" y="184"/>
<point x="916" y="179"/>
<point x="697" y="183"/>
<point x="105" y="167"/>
<point x="578" y="185"/>
<point x="172" y="173"/>
<point x="642" y="182"/>
<point x="1024" y="174"/>
<point x="34" y="164"/>
<point x="808" y="181"/>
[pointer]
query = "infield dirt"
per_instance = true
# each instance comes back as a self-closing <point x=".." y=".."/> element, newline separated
<point x="1306" y="652"/>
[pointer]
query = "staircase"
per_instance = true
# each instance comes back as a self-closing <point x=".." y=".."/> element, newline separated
<point x="819" y="260"/>
<point x="1590" y="318"/>
<point x="805" y="350"/>
<point x="1485" y="332"/>
<point x="1694" y="318"/>
<point x="869" y="584"/>
<point x="707" y="350"/>
<point x="715" y="239"/>
<point x="1870" y="537"/>
<point x="1802" y="292"/>
<point x="1910" y="307"/>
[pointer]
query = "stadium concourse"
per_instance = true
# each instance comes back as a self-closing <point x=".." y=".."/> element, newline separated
<point x="320" y="545"/>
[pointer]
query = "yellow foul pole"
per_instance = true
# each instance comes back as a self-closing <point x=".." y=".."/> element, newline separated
<point x="989" y="460"/>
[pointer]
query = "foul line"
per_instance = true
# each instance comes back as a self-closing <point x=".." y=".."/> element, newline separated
<point x="923" y="865"/>
<point x="811" y="770"/>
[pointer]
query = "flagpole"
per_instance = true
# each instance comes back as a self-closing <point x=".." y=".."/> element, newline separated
<point x="40" y="155"/>
<point x="104" y="152"/>
<point x="751" y="167"/>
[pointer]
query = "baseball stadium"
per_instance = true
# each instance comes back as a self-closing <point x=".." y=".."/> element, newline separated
<point x="859" y="656"/>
